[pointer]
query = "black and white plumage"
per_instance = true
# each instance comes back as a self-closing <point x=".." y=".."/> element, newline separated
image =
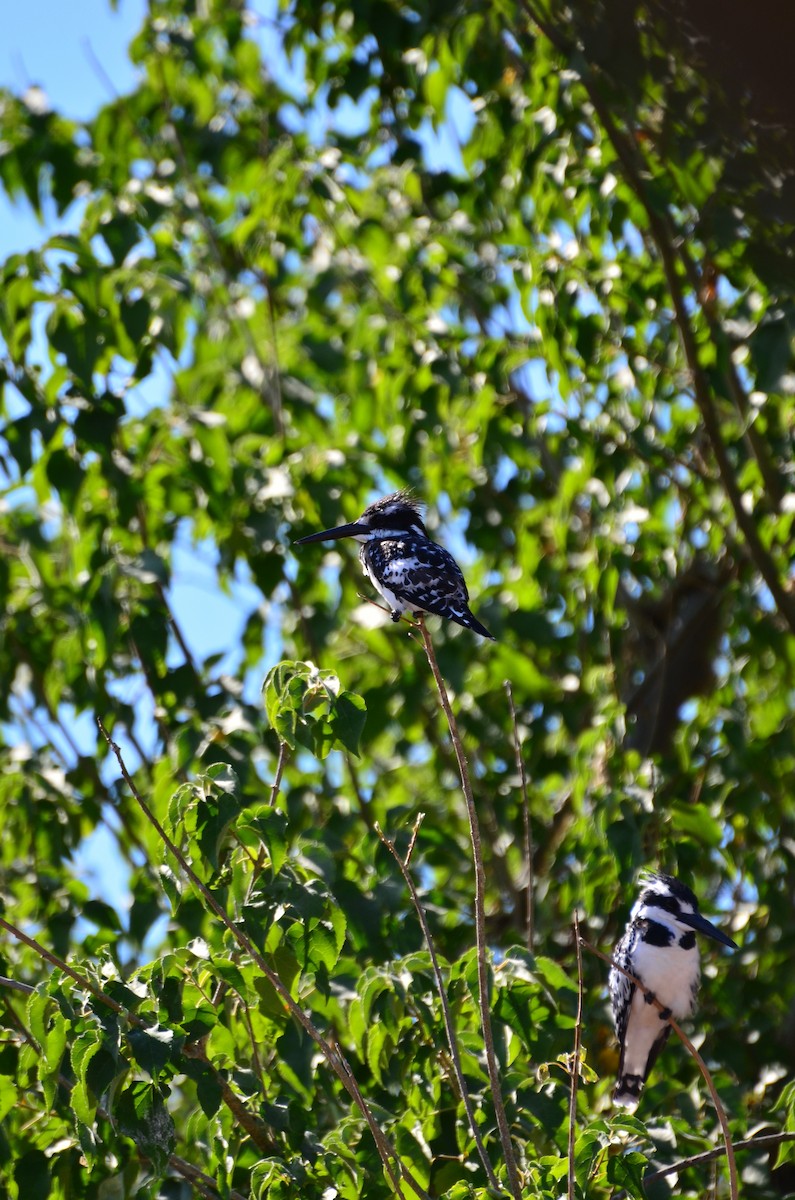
<point x="659" y="948"/>
<point x="411" y="572"/>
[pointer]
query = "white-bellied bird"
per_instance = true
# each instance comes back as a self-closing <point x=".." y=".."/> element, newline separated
<point x="412" y="573"/>
<point x="659" y="948"/>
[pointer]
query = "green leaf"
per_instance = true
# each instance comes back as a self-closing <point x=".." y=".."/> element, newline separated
<point x="153" y="1048"/>
<point x="554" y="975"/>
<point x="84" y="1047"/>
<point x="143" y="1116"/>
<point x="347" y="721"/>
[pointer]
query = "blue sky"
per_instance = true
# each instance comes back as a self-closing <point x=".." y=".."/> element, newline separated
<point x="55" y="46"/>
<point x="46" y="45"/>
<point x="76" y="53"/>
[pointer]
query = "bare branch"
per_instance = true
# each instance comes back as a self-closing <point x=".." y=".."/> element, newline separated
<point x="480" y="918"/>
<point x="15" y="986"/>
<point x="575" y="1064"/>
<point x="696" y="1160"/>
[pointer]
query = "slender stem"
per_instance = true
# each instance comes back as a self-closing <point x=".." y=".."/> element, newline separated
<point x="412" y="841"/>
<point x="15" y="986"/>
<point x="277" y="779"/>
<point x="364" y="807"/>
<point x="81" y="980"/>
<point x="696" y="1160"/>
<point x="529" y="849"/>
<point x="452" y="1040"/>
<point x="575" y="1066"/>
<point x="665" y="1015"/>
<point x="480" y="919"/>
<point x="275" y="788"/>
<point x="394" y="1167"/>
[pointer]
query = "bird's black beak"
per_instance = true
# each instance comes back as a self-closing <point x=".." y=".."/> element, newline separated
<point x="331" y="535"/>
<point x="702" y="925"/>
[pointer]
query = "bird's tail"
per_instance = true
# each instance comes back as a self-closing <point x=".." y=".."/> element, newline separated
<point x="471" y="622"/>
<point x="627" y="1092"/>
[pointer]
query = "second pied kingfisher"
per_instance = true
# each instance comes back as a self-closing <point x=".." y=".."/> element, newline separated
<point x="659" y="948"/>
<point x="411" y="572"/>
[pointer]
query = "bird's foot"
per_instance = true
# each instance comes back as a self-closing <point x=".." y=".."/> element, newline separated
<point x="395" y="615"/>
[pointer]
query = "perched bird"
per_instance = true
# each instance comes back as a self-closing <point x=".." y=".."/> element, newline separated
<point x="410" y="571"/>
<point x="659" y="948"/>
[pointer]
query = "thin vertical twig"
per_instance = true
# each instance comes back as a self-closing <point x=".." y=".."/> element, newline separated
<point x="480" y="919"/>
<point x="529" y="848"/>
<point x="275" y="788"/>
<point x="452" y="1041"/>
<point x="277" y="778"/>
<point x="665" y="1015"/>
<point x="575" y="1065"/>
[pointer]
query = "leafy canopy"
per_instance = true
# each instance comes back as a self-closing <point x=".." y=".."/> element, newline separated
<point x="531" y="264"/>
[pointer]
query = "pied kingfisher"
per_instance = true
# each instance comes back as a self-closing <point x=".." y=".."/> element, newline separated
<point x="410" y="571"/>
<point x="659" y="947"/>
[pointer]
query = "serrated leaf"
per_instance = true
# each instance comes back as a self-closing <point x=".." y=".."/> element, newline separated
<point x="84" y="1047"/>
<point x="322" y="945"/>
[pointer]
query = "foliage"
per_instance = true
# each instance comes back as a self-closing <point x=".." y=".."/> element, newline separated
<point x="519" y="261"/>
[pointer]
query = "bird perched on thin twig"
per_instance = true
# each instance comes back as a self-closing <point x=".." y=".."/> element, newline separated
<point x="411" y="572"/>
<point x="658" y="948"/>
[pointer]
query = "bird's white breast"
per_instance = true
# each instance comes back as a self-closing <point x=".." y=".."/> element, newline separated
<point x="670" y="972"/>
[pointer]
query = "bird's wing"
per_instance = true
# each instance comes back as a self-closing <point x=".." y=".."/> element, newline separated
<point x="432" y="581"/>
<point x="622" y="991"/>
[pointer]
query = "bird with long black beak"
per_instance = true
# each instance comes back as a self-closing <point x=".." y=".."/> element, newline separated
<point x="659" y="948"/>
<point x="412" y="573"/>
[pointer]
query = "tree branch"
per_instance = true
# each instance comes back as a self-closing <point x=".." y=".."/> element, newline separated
<point x="529" y="849"/>
<point x="575" y="1066"/>
<point x="480" y="918"/>
<point x="626" y="154"/>
<point x="696" y="1160"/>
